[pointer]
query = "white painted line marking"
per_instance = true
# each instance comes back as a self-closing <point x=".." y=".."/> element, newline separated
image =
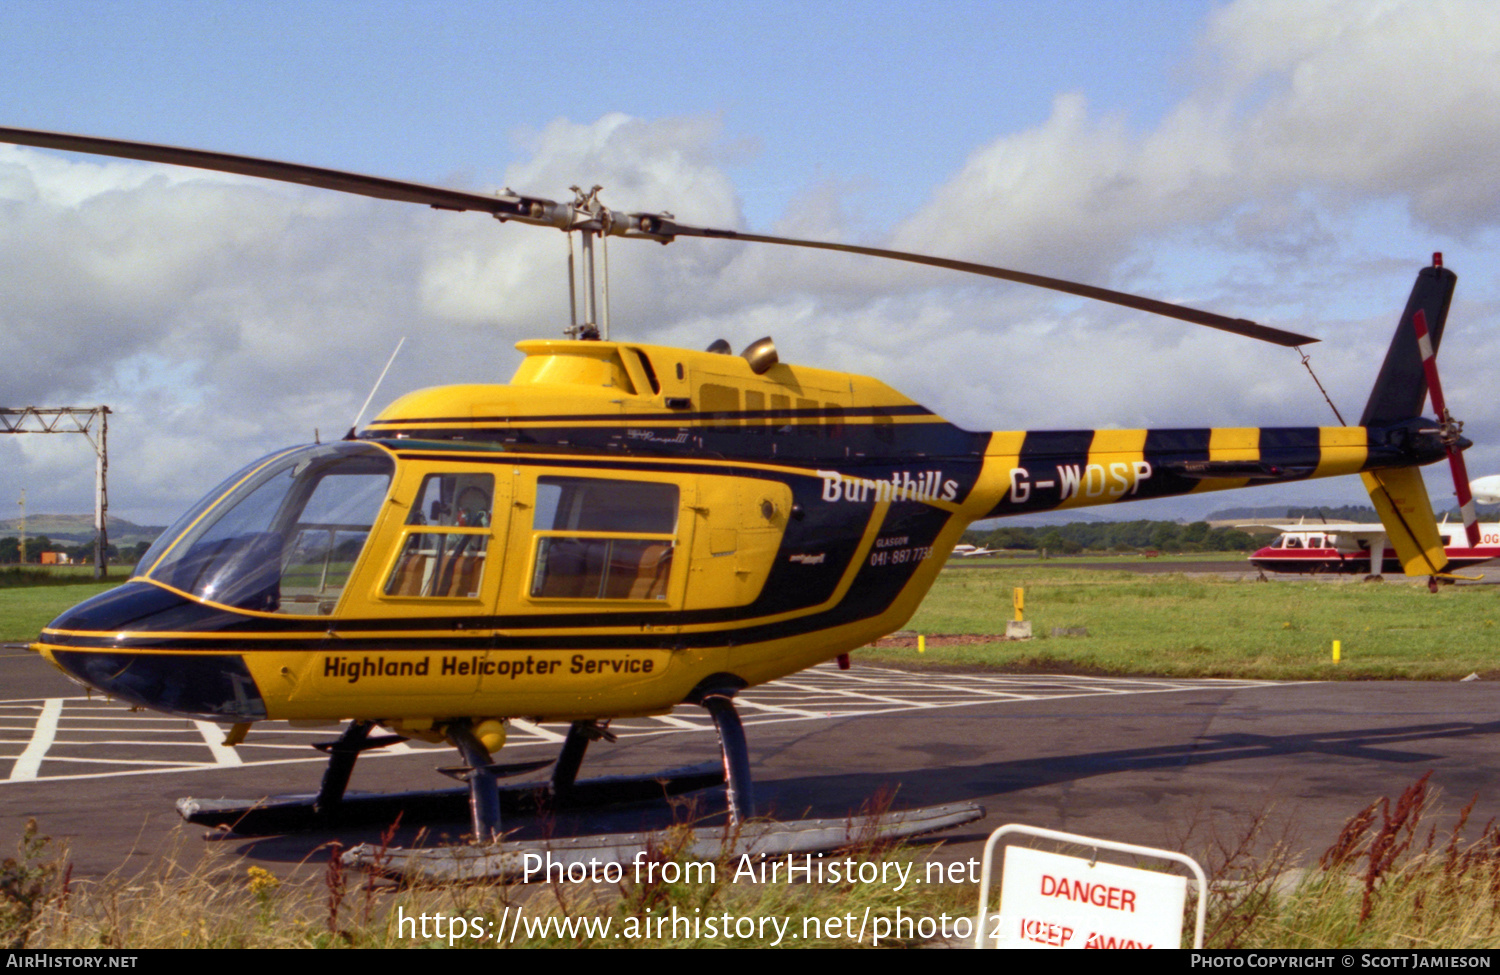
<point x="746" y="703"/>
<point x="30" y="762"/>
<point x="153" y="763"/>
<point x="820" y="693"/>
<point x="540" y="732"/>
<point x="213" y="737"/>
<point x="673" y="721"/>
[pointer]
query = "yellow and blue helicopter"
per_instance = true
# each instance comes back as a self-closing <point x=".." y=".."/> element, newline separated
<point x="626" y="527"/>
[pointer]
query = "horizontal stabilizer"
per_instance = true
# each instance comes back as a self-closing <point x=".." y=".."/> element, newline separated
<point x="1400" y="496"/>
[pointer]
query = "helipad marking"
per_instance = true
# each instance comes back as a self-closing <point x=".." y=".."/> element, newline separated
<point x="673" y="721"/>
<point x="30" y="762"/>
<point x="59" y="733"/>
<point x="535" y="729"/>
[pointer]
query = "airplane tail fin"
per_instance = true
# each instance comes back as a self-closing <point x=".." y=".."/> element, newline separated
<point x="1400" y="392"/>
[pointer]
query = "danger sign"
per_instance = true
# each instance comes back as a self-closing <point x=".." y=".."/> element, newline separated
<point x="1048" y="900"/>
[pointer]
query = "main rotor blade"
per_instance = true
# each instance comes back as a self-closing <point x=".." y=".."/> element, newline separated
<point x="539" y="211"/>
<point x="328" y="179"/>
<point x="652" y="225"/>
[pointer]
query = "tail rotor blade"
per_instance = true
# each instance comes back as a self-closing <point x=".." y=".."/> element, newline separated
<point x="1450" y="429"/>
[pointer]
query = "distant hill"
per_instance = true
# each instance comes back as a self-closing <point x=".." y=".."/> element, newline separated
<point x="79" y="528"/>
<point x="1281" y="512"/>
<point x="1037" y="519"/>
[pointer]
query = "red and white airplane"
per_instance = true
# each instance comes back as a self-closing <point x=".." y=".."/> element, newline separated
<point x="1346" y="546"/>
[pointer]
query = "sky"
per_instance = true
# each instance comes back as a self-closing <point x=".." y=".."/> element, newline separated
<point x="1295" y="163"/>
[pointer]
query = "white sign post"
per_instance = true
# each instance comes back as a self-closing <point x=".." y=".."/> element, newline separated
<point x="1048" y="900"/>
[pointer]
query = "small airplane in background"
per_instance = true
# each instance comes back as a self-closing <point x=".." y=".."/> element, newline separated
<point x="1345" y="547"/>
<point x="967" y="551"/>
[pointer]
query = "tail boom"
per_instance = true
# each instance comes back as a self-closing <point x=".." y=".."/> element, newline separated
<point x="1052" y="470"/>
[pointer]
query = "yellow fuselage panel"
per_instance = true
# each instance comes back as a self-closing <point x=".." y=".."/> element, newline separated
<point x="592" y="382"/>
<point x="553" y="684"/>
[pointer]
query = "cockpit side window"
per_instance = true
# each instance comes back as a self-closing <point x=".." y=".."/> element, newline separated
<point x="447" y="538"/>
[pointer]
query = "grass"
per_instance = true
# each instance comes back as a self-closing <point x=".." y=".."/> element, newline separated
<point x="24" y="611"/>
<point x="221" y="903"/>
<point x="1157" y="624"/>
<point x="1389" y="879"/>
<point x="1205" y="626"/>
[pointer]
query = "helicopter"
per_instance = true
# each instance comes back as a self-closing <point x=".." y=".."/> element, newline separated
<point x="626" y="527"/>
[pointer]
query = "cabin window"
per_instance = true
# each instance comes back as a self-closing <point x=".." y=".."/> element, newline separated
<point x="286" y="537"/>
<point x="755" y="403"/>
<point x="447" y="538"/>
<point x="722" y="401"/>
<point x="439" y="564"/>
<point x="807" y="420"/>
<point x="600" y="538"/>
<point x="461" y="500"/>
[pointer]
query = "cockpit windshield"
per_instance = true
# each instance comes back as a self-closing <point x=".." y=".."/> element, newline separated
<point x="285" y="536"/>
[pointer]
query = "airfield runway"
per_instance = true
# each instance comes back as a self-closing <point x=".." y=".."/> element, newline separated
<point x="1173" y="763"/>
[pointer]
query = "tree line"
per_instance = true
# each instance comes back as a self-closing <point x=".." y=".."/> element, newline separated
<point x="81" y="552"/>
<point x="1116" y="536"/>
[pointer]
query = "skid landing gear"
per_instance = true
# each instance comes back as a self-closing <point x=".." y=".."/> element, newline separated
<point x="484" y="801"/>
<point x="488" y="802"/>
<point x="741" y="835"/>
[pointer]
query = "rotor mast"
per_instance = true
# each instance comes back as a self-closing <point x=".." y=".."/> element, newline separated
<point x="591" y="219"/>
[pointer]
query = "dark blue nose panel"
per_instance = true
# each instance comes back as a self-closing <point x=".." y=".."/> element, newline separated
<point x="215" y="687"/>
<point x="140" y="607"/>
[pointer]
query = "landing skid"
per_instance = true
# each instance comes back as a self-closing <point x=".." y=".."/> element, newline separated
<point x="487" y="802"/>
<point x="296" y="813"/>
<point x="530" y="860"/>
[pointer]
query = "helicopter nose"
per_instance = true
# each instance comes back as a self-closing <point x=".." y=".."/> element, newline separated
<point x="129" y="644"/>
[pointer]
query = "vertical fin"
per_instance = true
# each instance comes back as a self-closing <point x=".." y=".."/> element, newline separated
<point x="1400" y="496"/>
<point x="1401" y="390"/>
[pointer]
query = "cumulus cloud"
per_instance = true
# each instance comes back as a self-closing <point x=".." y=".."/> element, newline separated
<point x="1394" y="99"/>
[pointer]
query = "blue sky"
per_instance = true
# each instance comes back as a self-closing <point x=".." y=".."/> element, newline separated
<point x="1294" y="163"/>
<point x="892" y="96"/>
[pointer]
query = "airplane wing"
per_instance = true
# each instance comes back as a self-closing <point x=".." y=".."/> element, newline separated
<point x="1327" y="528"/>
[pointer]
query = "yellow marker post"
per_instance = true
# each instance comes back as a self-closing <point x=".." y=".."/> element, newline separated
<point x="1019" y="598"/>
<point x="1335" y="651"/>
<point x="921" y="643"/>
